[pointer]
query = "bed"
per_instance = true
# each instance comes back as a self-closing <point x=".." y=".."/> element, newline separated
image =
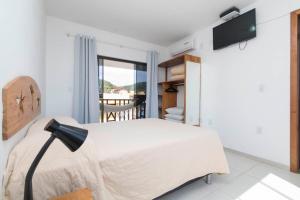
<point x="139" y="159"/>
<point x="130" y="160"/>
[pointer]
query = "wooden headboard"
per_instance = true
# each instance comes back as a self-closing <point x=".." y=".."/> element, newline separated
<point x="21" y="104"/>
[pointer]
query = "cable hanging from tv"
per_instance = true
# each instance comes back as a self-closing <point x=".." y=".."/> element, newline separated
<point x="242" y="48"/>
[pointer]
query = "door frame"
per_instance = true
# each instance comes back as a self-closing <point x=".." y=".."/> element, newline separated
<point x="294" y="109"/>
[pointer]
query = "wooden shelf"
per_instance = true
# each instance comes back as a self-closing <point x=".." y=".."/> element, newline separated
<point x="191" y="71"/>
<point x="180" y="60"/>
<point x="177" y="82"/>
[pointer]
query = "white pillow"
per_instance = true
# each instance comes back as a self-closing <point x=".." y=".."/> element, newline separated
<point x="176" y="77"/>
<point x="173" y="120"/>
<point x="176" y="117"/>
<point x="81" y="166"/>
<point x="175" y="111"/>
<point x="38" y="126"/>
<point x="178" y="70"/>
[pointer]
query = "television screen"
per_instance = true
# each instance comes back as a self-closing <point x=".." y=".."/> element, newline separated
<point x="239" y="29"/>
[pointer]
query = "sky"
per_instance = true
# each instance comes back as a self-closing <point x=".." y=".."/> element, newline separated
<point x="119" y="76"/>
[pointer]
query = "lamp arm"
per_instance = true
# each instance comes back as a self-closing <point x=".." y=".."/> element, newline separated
<point x="28" y="180"/>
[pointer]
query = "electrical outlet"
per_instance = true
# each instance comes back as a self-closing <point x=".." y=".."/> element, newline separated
<point x="201" y="46"/>
<point x="259" y="130"/>
<point x="210" y="122"/>
<point x="261" y="88"/>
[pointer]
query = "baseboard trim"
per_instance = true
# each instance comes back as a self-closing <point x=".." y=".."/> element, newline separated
<point x="255" y="158"/>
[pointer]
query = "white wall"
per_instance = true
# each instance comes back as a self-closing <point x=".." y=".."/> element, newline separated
<point x="60" y="59"/>
<point x="246" y="94"/>
<point x="22" y="53"/>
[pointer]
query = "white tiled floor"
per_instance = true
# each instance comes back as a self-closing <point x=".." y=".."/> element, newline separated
<point x="249" y="180"/>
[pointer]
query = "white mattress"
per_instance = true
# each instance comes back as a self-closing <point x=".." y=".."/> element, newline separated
<point x="132" y="160"/>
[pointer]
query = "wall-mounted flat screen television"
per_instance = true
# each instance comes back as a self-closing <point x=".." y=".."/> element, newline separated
<point x="239" y="29"/>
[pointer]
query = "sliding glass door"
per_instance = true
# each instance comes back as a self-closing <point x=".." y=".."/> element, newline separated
<point x="121" y="83"/>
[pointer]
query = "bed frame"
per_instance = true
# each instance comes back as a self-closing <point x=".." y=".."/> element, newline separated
<point x="207" y="179"/>
<point x="21" y="100"/>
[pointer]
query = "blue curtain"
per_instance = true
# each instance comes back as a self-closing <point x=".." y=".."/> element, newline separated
<point x="152" y="94"/>
<point x="86" y="88"/>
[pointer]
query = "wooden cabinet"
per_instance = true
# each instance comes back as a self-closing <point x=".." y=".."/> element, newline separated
<point x="191" y="84"/>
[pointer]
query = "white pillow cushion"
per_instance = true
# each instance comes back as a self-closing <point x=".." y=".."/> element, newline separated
<point x="176" y="117"/>
<point x="175" y="111"/>
<point x="173" y="120"/>
<point x="38" y="126"/>
<point x="59" y="169"/>
<point x="178" y="70"/>
<point x="176" y="77"/>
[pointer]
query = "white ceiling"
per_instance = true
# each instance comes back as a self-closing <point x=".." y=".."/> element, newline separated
<point x="157" y="21"/>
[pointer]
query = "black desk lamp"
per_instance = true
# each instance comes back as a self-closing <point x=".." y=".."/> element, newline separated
<point x="72" y="137"/>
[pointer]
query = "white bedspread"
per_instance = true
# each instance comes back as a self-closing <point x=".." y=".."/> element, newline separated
<point x="143" y="159"/>
<point x="132" y="160"/>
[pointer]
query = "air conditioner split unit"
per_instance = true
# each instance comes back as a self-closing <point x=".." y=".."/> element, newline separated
<point x="183" y="46"/>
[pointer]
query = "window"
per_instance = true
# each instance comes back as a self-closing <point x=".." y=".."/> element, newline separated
<point x="122" y="82"/>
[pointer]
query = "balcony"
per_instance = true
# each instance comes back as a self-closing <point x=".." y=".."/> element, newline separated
<point x="136" y="111"/>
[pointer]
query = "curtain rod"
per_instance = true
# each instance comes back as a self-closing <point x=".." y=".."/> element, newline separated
<point x="112" y="44"/>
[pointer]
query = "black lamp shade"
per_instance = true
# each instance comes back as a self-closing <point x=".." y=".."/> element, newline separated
<point x="72" y="137"/>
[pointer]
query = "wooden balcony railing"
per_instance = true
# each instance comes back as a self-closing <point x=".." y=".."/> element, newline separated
<point x="136" y="112"/>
